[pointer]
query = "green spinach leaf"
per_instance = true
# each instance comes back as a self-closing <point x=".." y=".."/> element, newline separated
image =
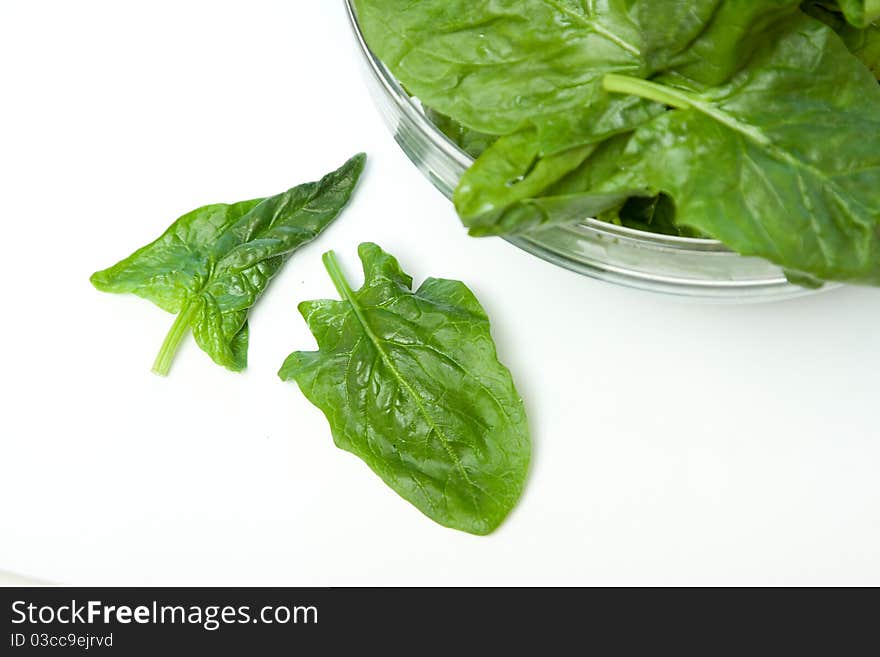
<point x="707" y="41"/>
<point x="863" y="43"/>
<point x="470" y="141"/>
<point x="866" y="46"/>
<point x="559" y="189"/>
<point x="652" y="214"/>
<point x="783" y="162"/>
<point x="210" y="267"/>
<point x="529" y="72"/>
<point x="500" y="67"/>
<point x="860" y="13"/>
<point x="745" y="121"/>
<point x="411" y="384"/>
<point x="505" y="190"/>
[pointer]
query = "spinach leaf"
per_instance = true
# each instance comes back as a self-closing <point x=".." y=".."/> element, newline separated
<point x="210" y="267"/>
<point x="866" y="46"/>
<point x="557" y="190"/>
<point x="470" y="141"/>
<point x="860" y="13"/>
<point x="783" y="162"/>
<point x="655" y="214"/>
<point x="500" y="67"/>
<point x="744" y="121"/>
<point x="863" y="43"/>
<point x="707" y="41"/>
<point x="530" y="73"/>
<point x="505" y="190"/>
<point x="411" y="384"/>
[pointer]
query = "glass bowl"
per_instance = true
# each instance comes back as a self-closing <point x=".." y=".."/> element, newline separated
<point x="687" y="267"/>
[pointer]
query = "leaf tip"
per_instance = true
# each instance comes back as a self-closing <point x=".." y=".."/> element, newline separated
<point x="304" y="308"/>
<point x="378" y="263"/>
<point x="368" y="250"/>
<point x="481" y="231"/>
<point x="289" y="368"/>
<point x="99" y="280"/>
<point x="356" y="164"/>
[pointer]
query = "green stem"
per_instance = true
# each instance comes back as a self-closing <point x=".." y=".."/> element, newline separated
<point x="175" y="336"/>
<point x="624" y="84"/>
<point x="331" y="264"/>
<point x="682" y="100"/>
<point x="345" y="291"/>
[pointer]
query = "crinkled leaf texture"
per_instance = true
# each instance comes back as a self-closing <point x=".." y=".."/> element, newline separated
<point x="783" y="162"/>
<point x="864" y="43"/>
<point x="410" y="383"/>
<point x="753" y="124"/>
<point x="548" y="57"/>
<point x="530" y="72"/>
<point x="211" y="266"/>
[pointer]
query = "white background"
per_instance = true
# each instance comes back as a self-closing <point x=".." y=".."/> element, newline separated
<point x="675" y="443"/>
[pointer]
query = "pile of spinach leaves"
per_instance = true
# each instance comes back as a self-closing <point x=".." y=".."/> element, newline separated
<point x="755" y="123"/>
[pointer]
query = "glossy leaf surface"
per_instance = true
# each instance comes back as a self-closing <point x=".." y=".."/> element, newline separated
<point x="864" y="43"/>
<point x="860" y="13"/>
<point x="212" y="265"/>
<point x="530" y="71"/>
<point x="410" y="382"/>
<point x="783" y="162"/>
<point x="745" y="121"/>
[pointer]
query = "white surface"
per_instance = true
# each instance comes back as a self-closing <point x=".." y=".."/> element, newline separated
<point x="11" y="579"/>
<point x="674" y="443"/>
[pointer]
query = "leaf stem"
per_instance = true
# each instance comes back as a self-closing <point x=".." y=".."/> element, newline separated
<point x="624" y="84"/>
<point x="347" y="294"/>
<point x="331" y="264"/>
<point x="682" y="100"/>
<point x="175" y="336"/>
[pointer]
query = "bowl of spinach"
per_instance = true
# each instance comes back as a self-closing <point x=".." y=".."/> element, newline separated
<point x="719" y="149"/>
